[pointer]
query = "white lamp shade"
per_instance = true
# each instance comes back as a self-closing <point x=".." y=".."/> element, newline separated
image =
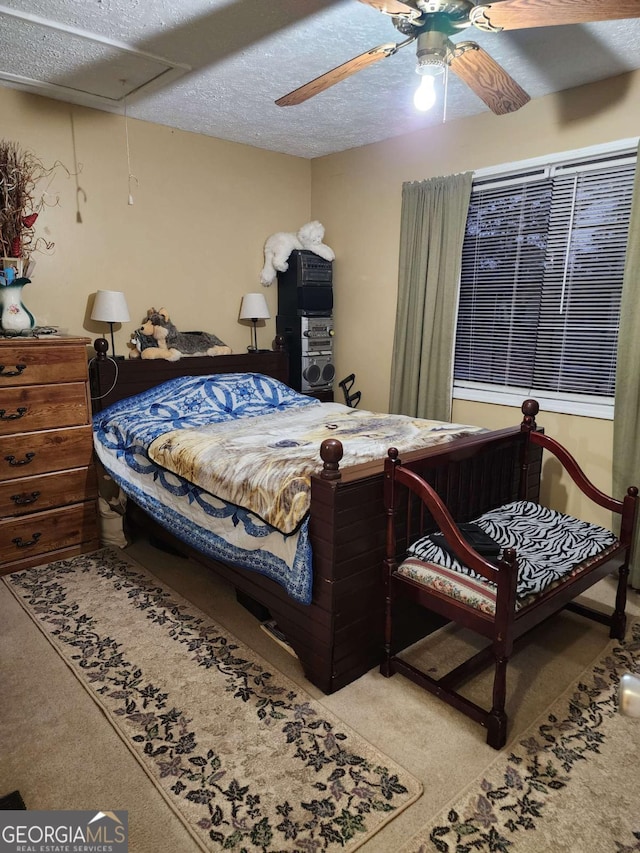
<point x="254" y="307"/>
<point x="110" y="306"/>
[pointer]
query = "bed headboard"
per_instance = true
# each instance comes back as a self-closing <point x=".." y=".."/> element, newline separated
<point x="114" y="380"/>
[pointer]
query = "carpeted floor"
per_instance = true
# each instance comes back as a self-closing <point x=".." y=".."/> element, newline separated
<point x="578" y="760"/>
<point x="246" y="759"/>
<point x="64" y="754"/>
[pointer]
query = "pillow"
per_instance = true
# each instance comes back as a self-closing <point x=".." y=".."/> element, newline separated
<point x="192" y="401"/>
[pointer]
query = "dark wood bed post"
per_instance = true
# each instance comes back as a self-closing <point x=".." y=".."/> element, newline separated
<point x="101" y="346"/>
<point x="530" y="409"/>
<point x="390" y="556"/>
<point x="331" y="453"/>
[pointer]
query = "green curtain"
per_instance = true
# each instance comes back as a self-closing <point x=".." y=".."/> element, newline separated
<point x="434" y="215"/>
<point x="626" y="421"/>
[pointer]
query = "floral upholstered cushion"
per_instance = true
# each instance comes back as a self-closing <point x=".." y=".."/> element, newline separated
<point x="550" y="547"/>
<point x="479" y="594"/>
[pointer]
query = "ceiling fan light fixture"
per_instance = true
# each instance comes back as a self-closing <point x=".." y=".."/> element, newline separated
<point x="430" y="65"/>
<point x="431" y="55"/>
<point x="425" y="95"/>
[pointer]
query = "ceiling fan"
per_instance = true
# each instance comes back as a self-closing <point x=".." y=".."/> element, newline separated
<point x="429" y="23"/>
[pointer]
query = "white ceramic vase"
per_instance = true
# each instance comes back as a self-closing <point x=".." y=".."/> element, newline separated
<point x="14" y="317"/>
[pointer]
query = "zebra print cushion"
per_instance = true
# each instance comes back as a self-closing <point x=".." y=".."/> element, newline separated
<point x="548" y="543"/>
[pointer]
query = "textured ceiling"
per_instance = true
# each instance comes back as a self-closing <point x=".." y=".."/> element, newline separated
<point x="216" y="66"/>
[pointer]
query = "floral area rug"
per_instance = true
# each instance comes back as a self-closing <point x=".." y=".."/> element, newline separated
<point x="247" y="760"/>
<point x="570" y="784"/>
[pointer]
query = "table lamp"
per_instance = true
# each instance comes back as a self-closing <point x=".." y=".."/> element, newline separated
<point x="254" y="308"/>
<point x="110" y="307"/>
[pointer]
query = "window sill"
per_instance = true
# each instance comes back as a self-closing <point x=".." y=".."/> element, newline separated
<point x="587" y="407"/>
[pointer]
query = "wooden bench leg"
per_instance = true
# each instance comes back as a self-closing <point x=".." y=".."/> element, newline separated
<point x="497" y="718"/>
<point x="619" y="617"/>
<point x="385" y="664"/>
<point x="497" y="729"/>
<point x="618" y="626"/>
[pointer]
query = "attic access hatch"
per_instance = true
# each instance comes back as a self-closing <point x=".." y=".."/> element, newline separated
<point x="76" y="66"/>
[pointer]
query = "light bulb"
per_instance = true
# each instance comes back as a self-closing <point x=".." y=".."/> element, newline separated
<point x="425" y="95"/>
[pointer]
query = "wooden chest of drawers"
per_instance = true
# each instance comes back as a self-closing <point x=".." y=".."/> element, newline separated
<point x="48" y="489"/>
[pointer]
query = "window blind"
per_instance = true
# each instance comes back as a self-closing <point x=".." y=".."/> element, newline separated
<point x="541" y="281"/>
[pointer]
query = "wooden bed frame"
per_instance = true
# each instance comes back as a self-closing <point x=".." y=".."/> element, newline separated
<point x="339" y="636"/>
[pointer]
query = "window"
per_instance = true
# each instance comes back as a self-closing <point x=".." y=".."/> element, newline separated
<point x="542" y="268"/>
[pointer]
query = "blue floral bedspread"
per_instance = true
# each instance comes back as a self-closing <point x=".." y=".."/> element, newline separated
<point x="214" y="527"/>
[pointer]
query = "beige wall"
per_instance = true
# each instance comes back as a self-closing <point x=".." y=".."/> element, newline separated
<point x="357" y="195"/>
<point x="192" y="241"/>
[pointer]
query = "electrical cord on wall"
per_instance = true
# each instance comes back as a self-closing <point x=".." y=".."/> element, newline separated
<point x="131" y="177"/>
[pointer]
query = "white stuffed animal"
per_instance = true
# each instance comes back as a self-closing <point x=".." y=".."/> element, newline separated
<point x="279" y="246"/>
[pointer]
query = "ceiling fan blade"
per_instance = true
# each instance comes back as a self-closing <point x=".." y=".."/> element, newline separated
<point x="393" y="7"/>
<point x="522" y="14"/>
<point x="336" y="75"/>
<point x="489" y="81"/>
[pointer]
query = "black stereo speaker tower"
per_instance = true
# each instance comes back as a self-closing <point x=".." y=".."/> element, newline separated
<point x="305" y="306"/>
<point x="306" y="288"/>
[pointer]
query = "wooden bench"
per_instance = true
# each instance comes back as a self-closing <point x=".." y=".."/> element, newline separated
<point x="543" y="559"/>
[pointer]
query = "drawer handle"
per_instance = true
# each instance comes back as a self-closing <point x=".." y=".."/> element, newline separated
<point x="24" y="498"/>
<point x="16" y="372"/>
<point x="27" y="458"/>
<point x="19" y="542"/>
<point x="20" y="411"/>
